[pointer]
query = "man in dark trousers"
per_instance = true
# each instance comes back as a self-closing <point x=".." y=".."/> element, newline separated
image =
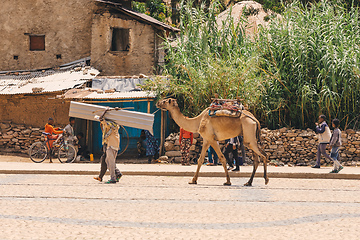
<point x="231" y="147"/>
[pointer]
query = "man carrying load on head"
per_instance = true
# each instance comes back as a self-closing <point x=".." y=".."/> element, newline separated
<point x="111" y="142"/>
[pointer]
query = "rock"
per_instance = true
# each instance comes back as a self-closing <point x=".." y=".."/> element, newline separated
<point x="163" y="158"/>
<point x="173" y="154"/>
<point x="168" y="146"/>
<point x="26" y="131"/>
<point x="281" y="150"/>
<point x="306" y="134"/>
<point x="352" y="150"/>
<point x="299" y="139"/>
<point x="291" y="134"/>
<point x="282" y="130"/>
<point x="4" y="125"/>
<point x="350" y="131"/>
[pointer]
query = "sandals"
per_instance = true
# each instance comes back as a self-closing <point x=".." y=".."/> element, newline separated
<point x="337" y="170"/>
<point x="98" y="179"/>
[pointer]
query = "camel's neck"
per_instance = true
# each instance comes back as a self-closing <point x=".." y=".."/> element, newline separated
<point x="189" y="124"/>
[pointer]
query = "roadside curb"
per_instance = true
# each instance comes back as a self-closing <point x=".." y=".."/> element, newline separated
<point x="190" y="174"/>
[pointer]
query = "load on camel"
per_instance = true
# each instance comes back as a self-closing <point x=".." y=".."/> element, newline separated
<point x="213" y="129"/>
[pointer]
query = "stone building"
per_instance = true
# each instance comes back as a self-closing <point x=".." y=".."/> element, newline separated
<point x="46" y="34"/>
<point x="46" y="48"/>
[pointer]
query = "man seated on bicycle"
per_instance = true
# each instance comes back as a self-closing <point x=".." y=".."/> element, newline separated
<point x="51" y="130"/>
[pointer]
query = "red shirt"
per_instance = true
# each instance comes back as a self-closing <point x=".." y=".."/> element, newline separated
<point x="186" y="134"/>
<point x="50" y="129"/>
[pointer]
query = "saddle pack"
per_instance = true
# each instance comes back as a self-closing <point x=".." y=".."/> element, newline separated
<point x="225" y="108"/>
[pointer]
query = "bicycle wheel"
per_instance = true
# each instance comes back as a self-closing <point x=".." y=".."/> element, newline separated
<point x="38" y="152"/>
<point x="67" y="153"/>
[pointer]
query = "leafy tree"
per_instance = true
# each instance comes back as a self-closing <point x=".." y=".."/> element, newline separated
<point x="154" y="8"/>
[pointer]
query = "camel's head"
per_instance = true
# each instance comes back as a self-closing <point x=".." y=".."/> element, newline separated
<point x="166" y="104"/>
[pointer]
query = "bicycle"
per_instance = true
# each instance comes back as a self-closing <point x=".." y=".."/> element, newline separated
<point x="66" y="152"/>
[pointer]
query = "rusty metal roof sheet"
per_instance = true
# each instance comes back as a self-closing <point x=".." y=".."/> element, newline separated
<point x="45" y="81"/>
<point x="140" y="16"/>
<point x="123" y="117"/>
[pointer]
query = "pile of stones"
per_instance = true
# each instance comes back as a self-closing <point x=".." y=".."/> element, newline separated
<point x="16" y="138"/>
<point x="292" y="147"/>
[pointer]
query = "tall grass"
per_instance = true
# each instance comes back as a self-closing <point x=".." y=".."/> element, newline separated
<point x="206" y="60"/>
<point x="311" y="56"/>
<point x="304" y="64"/>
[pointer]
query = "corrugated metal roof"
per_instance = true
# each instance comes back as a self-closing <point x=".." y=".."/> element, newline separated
<point x="119" y="84"/>
<point x="99" y="94"/>
<point x="121" y="95"/>
<point x="47" y="81"/>
<point x="140" y="16"/>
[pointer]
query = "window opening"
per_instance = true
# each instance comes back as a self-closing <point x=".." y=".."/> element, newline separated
<point x="37" y="42"/>
<point x="120" y="39"/>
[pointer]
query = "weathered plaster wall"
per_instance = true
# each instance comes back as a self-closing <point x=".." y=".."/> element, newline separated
<point x="139" y="59"/>
<point x="33" y="110"/>
<point x="66" y="25"/>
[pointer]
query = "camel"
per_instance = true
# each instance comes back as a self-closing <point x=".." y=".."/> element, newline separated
<point x="213" y="129"/>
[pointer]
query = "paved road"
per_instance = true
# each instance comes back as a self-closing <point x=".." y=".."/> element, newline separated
<point x="150" y="207"/>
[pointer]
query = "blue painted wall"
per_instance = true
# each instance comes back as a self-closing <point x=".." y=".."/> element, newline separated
<point x="134" y="133"/>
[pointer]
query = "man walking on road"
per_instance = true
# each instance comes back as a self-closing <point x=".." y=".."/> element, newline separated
<point x="231" y="147"/>
<point x="111" y="142"/>
<point x="324" y="135"/>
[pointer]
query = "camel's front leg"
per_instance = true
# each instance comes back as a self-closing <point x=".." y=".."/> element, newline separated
<point x="200" y="161"/>
<point x="223" y="162"/>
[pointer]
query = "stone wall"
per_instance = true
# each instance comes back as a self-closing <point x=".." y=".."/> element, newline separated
<point x="292" y="147"/>
<point x="15" y="138"/>
<point x="283" y="146"/>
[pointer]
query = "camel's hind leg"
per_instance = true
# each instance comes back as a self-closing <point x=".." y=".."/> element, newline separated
<point x="255" y="166"/>
<point x="200" y="161"/>
<point x="223" y="162"/>
<point x="257" y="153"/>
<point x="265" y="167"/>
